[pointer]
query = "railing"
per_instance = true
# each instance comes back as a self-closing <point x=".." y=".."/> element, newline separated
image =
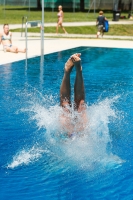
<point x="24" y="19"/>
<point x="35" y="23"/>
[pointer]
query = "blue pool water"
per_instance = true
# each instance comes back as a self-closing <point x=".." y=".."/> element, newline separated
<point x="35" y="162"/>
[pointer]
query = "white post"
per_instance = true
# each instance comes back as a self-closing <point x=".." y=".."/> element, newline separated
<point x="94" y="6"/>
<point x="4" y="8"/>
<point x="42" y="34"/>
<point x="29" y="7"/>
<point x="53" y="6"/>
<point x="26" y="44"/>
<point x="73" y="5"/>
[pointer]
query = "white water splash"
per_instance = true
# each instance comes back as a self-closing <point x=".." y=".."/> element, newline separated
<point x="92" y="146"/>
<point x="24" y="157"/>
<point x="88" y="150"/>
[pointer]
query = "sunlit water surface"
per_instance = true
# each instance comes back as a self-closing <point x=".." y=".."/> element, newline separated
<point x="36" y="161"/>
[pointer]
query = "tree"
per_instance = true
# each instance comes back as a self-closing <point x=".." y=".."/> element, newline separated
<point x="38" y="4"/>
<point x="82" y="5"/>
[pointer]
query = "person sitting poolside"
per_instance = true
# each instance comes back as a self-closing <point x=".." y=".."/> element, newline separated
<point x="70" y="124"/>
<point x="6" y="40"/>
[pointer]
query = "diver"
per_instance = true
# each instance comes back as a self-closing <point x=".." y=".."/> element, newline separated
<point x="69" y="123"/>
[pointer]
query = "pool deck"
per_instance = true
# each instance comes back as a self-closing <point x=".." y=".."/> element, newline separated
<point x="54" y="42"/>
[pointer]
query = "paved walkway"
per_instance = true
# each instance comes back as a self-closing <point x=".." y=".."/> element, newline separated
<point x="13" y="26"/>
<point x="55" y="43"/>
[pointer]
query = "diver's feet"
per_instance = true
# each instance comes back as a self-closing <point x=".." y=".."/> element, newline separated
<point x="77" y="61"/>
<point x="69" y="65"/>
<point x="70" y="62"/>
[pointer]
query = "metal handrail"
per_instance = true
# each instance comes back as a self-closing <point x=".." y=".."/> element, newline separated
<point x="23" y="18"/>
<point x="41" y="35"/>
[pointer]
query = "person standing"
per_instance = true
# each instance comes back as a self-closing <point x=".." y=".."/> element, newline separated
<point x="60" y="16"/>
<point x="100" y="24"/>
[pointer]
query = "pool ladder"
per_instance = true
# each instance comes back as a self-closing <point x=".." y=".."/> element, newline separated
<point x="34" y="24"/>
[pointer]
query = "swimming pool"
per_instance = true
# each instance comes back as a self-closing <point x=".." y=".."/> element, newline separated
<point x="35" y="162"/>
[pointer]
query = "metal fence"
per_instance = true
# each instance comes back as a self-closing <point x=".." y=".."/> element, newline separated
<point x="111" y="4"/>
<point x="47" y="3"/>
<point x="67" y="4"/>
<point x="33" y="3"/>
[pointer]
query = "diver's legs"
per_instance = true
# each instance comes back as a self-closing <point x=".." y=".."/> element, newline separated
<point x="65" y="89"/>
<point x="79" y="92"/>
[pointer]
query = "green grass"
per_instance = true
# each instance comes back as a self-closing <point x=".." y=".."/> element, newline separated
<point x="118" y="30"/>
<point x="13" y="15"/>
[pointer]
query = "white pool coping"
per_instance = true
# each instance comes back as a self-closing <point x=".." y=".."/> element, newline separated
<point x="55" y="44"/>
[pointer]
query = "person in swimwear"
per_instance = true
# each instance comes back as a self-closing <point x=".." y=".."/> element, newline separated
<point x="60" y="19"/>
<point x="68" y="123"/>
<point x="6" y="40"/>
